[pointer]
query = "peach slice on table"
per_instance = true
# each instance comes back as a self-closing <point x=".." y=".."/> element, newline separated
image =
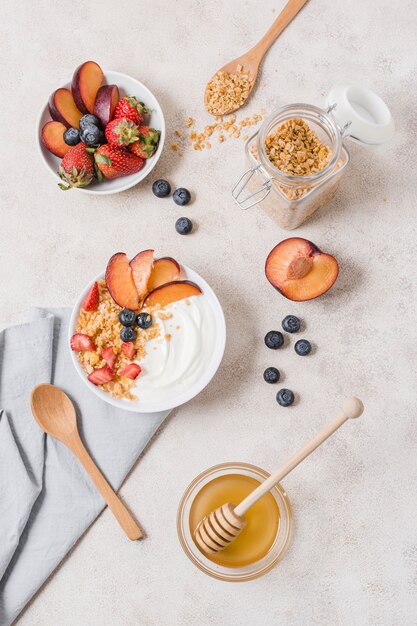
<point x="85" y="84"/>
<point x="63" y="108"/>
<point x="120" y="282"/>
<point x="165" y="270"/>
<point x="299" y="270"/>
<point x="171" y="292"/>
<point x="53" y="138"/>
<point x="141" y="266"/>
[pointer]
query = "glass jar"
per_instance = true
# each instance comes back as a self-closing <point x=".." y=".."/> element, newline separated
<point x="247" y="572"/>
<point x="354" y="112"/>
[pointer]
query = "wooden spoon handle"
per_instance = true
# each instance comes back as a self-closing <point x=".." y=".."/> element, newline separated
<point x="351" y="408"/>
<point x="284" y="18"/>
<point x="116" y="506"/>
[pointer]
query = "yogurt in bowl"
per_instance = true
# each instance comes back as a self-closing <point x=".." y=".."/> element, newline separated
<point x="177" y="355"/>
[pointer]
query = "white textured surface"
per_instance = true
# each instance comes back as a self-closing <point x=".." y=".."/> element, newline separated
<point x="354" y="555"/>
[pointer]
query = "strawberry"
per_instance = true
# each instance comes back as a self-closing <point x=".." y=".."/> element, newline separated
<point x="82" y="342"/>
<point x="92" y="299"/>
<point x="77" y="167"/>
<point x="131" y="109"/>
<point x="130" y="371"/>
<point x="129" y="350"/>
<point x="121" y="132"/>
<point x="148" y="142"/>
<point x="113" y="162"/>
<point x="109" y="356"/>
<point x="102" y="375"/>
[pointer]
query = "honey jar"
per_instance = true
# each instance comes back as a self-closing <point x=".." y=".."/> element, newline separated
<point x="268" y="531"/>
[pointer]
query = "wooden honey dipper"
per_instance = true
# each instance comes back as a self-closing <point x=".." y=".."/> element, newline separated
<point x="218" y="529"/>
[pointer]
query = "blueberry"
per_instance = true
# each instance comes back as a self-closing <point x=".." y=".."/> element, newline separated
<point x="127" y="334"/>
<point x="291" y="324"/>
<point x="181" y="196"/>
<point x="72" y="136"/>
<point x="285" y="397"/>
<point x="271" y="375"/>
<point x="91" y="135"/>
<point x="302" y="347"/>
<point x="144" y="320"/>
<point x="274" y="339"/>
<point x="127" y="317"/>
<point x="161" y="188"/>
<point x="88" y="120"/>
<point x="183" y="225"/>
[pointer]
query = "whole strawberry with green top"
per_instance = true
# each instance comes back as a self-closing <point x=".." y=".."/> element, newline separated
<point x="130" y="108"/>
<point x="121" y="132"/>
<point x="115" y="162"/>
<point x="77" y="167"/>
<point x="148" y="142"/>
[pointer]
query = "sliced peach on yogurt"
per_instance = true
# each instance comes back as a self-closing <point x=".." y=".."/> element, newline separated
<point x="141" y="266"/>
<point x="119" y="281"/>
<point x="165" y="270"/>
<point x="299" y="270"/>
<point x="171" y="292"/>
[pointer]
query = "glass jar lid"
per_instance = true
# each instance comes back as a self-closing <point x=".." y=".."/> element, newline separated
<point x="360" y="114"/>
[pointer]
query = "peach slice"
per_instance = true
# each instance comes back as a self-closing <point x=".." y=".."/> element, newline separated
<point x="105" y="103"/>
<point x="53" y="138"/>
<point x="141" y="266"/>
<point x="171" y="292"/>
<point x="299" y="270"/>
<point x="120" y="282"/>
<point x="165" y="270"/>
<point x="63" y="108"/>
<point x="85" y="84"/>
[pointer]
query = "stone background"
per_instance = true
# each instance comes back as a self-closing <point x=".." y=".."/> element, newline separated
<point x="354" y="555"/>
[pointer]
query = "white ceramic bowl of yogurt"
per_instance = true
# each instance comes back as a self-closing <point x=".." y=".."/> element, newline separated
<point x="174" y="371"/>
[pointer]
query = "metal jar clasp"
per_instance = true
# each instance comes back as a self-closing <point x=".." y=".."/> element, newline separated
<point x="258" y="195"/>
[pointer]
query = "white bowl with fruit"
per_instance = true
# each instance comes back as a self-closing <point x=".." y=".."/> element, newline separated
<point x="102" y="132"/>
<point x="148" y="334"/>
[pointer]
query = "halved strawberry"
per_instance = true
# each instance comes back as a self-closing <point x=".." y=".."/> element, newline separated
<point x="101" y="376"/>
<point x="79" y="341"/>
<point x="130" y="371"/>
<point x="129" y="350"/>
<point x="92" y="299"/>
<point x="109" y="356"/>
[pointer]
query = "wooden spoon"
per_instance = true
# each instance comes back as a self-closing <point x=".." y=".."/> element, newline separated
<point x="218" y="529"/>
<point x="55" y="414"/>
<point x="251" y="60"/>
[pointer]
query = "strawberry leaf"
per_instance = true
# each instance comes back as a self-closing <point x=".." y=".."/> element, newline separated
<point x="102" y="158"/>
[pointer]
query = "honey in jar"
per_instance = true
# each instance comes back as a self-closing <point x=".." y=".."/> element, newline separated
<point x="263" y="519"/>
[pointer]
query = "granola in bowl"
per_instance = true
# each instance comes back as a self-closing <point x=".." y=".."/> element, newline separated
<point x="144" y="337"/>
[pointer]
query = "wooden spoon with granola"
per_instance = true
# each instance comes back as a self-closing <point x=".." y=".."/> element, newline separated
<point x="232" y="84"/>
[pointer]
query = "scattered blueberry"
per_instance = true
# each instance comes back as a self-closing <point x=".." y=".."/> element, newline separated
<point x="72" y="136"/>
<point x="127" y="334"/>
<point x="183" y="225"/>
<point x="274" y="339"/>
<point x="87" y="120"/>
<point x="302" y="347"/>
<point x="271" y="375"/>
<point x="144" y="320"/>
<point x="285" y="397"/>
<point x="291" y="324"/>
<point x="161" y="188"/>
<point x="127" y="317"/>
<point x="181" y="196"/>
<point x="91" y="135"/>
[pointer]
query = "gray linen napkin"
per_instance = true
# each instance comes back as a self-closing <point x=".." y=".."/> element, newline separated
<point x="47" y="501"/>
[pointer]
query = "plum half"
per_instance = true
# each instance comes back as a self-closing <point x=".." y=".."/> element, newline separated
<point x="105" y="103"/>
<point x="299" y="270"/>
